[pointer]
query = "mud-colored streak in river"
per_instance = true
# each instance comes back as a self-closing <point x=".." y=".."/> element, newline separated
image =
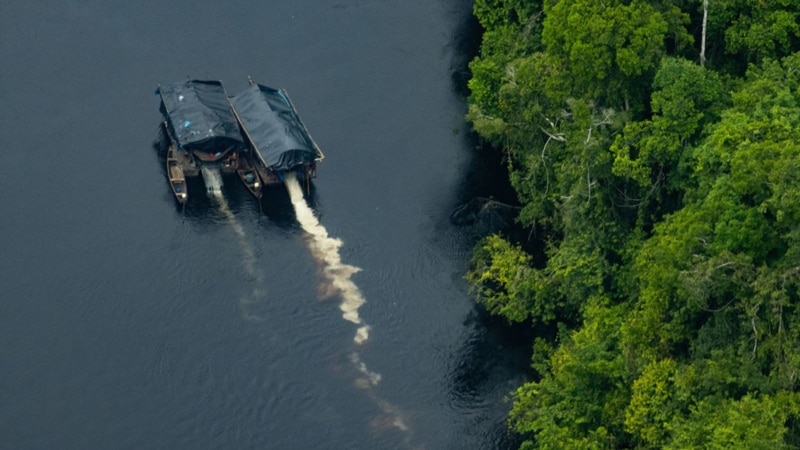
<point x="126" y="323"/>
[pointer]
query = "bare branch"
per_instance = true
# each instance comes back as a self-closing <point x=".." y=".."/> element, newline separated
<point x="725" y="264"/>
<point x="559" y="137"/>
<point x="703" y="38"/>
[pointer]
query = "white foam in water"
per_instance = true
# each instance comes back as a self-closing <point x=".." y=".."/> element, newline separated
<point x="212" y="179"/>
<point x="326" y="250"/>
<point x="371" y="377"/>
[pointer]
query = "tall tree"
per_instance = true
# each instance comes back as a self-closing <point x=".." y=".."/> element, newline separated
<point x="612" y="48"/>
<point x="663" y="196"/>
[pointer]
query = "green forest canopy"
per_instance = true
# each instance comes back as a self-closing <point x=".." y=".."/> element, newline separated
<point x="657" y="163"/>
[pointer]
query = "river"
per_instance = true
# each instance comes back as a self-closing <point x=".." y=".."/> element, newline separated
<point x="128" y="323"/>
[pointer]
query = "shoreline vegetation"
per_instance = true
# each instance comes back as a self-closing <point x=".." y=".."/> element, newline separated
<point x="654" y="147"/>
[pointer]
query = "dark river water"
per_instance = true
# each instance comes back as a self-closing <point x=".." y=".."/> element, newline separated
<point x="126" y="323"/>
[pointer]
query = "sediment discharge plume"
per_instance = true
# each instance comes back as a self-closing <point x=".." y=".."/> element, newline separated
<point x="326" y="250"/>
<point x="213" y="182"/>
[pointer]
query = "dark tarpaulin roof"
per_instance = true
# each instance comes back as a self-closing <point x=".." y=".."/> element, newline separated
<point x="273" y="127"/>
<point x="199" y="116"/>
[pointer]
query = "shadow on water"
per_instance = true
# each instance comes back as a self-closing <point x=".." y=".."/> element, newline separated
<point x="276" y="206"/>
<point x="492" y="362"/>
<point x="274" y="203"/>
<point x="494" y="357"/>
<point x="465" y="45"/>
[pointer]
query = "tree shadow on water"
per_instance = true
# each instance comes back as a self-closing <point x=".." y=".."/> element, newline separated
<point x="492" y="362"/>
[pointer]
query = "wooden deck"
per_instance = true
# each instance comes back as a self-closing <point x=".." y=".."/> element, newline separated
<point x="185" y="161"/>
<point x="175" y="172"/>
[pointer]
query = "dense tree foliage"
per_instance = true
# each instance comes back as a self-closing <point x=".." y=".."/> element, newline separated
<point x="663" y="202"/>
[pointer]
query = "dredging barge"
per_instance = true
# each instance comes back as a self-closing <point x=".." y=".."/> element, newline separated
<point x="256" y="135"/>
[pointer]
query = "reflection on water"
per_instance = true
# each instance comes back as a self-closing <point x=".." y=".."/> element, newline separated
<point x="492" y="362"/>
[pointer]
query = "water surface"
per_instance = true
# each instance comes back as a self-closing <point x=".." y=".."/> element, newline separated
<point x="126" y="322"/>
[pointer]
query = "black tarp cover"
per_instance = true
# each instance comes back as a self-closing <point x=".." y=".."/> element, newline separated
<point x="274" y="128"/>
<point x="199" y="116"/>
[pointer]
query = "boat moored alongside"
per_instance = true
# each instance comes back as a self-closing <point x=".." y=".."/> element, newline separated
<point x="248" y="175"/>
<point x="176" y="176"/>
